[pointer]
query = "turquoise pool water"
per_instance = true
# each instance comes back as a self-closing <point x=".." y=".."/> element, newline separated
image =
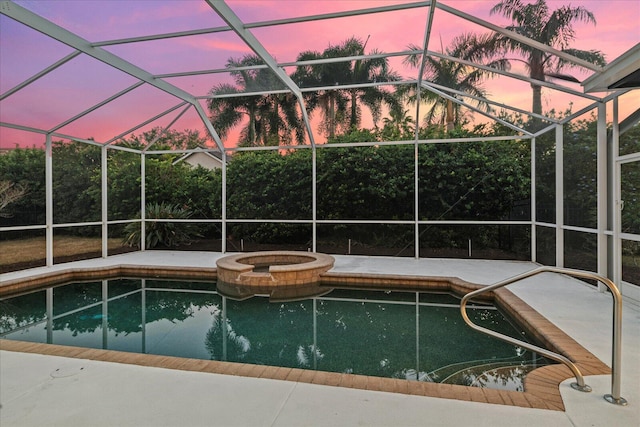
<point x="417" y="336"/>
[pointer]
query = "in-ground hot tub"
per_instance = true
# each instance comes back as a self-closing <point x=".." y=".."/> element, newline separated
<point x="280" y="274"/>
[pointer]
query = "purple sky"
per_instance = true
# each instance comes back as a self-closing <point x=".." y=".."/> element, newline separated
<point x="83" y="82"/>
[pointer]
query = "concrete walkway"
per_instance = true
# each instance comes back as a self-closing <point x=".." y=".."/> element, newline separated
<point x="37" y="390"/>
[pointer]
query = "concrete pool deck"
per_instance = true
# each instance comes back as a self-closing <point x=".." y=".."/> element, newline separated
<point x="51" y="390"/>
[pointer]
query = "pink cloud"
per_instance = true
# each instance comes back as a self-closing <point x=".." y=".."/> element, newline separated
<point x="215" y="45"/>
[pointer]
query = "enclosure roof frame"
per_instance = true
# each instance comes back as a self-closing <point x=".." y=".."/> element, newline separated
<point x="235" y="24"/>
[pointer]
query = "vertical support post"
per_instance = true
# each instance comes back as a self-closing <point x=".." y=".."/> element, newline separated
<point x="423" y="61"/>
<point x="223" y="201"/>
<point x="559" y="196"/>
<point x="616" y="194"/>
<point x="602" y="194"/>
<point x="314" y="202"/>
<point x="48" y="178"/>
<point x="533" y="205"/>
<point x="143" y="201"/>
<point x="416" y="199"/>
<point x="105" y="194"/>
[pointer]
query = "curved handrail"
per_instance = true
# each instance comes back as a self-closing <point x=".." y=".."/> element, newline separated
<point x="614" y="397"/>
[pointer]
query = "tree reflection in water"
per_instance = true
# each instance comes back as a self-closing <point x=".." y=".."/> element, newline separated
<point x="405" y="335"/>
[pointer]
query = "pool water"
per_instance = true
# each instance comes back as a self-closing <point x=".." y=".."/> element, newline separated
<point x="417" y="336"/>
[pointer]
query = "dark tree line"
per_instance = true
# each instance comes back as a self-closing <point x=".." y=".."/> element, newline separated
<point x="457" y="181"/>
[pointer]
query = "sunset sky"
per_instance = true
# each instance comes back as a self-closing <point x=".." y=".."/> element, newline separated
<point x="83" y="81"/>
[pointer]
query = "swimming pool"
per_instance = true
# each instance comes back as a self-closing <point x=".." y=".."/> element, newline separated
<point x="399" y="334"/>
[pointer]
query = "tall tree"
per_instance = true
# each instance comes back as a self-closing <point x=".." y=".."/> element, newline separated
<point x="332" y="103"/>
<point x="553" y="28"/>
<point x="342" y="108"/>
<point x="271" y="118"/>
<point x="456" y="75"/>
<point x="370" y="70"/>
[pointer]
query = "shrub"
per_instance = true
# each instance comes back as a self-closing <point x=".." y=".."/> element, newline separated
<point x="167" y="234"/>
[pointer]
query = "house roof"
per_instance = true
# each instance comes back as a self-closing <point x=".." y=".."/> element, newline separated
<point x="213" y="154"/>
<point x="621" y="73"/>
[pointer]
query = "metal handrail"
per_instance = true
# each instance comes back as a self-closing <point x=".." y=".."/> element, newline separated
<point x="614" y="397"/>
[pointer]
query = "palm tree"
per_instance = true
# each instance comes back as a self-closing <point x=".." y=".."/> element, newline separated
<point x="281" y="119"/>
<point x="369" y="71"/>
<point x="272" y="118"/>
<point x="343" y="107"/>
<point x="226" y="113"/>
<point x="455" y="75"/>
<point x="554" y="29"/>
<point x="398" y="125"/>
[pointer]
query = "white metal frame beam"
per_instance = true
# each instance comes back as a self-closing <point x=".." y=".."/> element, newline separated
<point x="516" y="76"/>
<point x="48" y="28"/>
<point x="602" y="196"/>
<point x="40" y="74"/>
<point x="559" y="195"/>
<point x="146" y="122"/>
<point x="416" y="150"/>
<point x="491" y="102"/>
<point x="520" y="38"/>
<point x="291" y="64"/>
<point x="34" y="21"/>
<point x="165" y="129"/>
<point x="96" y="106"/>
<point x="271" y="23"/>
<point x="511" y="126"/>
<point x="252" y="42"/>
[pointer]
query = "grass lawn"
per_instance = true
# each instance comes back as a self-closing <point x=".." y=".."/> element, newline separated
<point x="33" y="249"/>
